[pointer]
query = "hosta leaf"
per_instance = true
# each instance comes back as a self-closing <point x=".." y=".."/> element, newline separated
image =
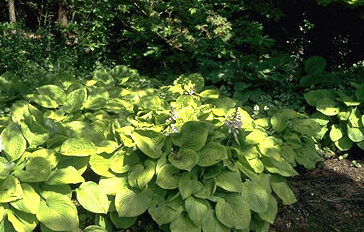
<point x="37" y="169"/>
<point x="111" y="185"/>
<point x="230" y="181"/>
<point x="327" y="106"/>
<point x="54" y="92"/>
<point x="193" y="135"/>
<point x="306" y="127"/>
<point x="129" y="203"/>
<point x="168" y="177"/>
<point x="335" y="133"/>
<point x="100" y="164"/>
<point x="344" y="143"/>
<point x="312" y="97"/>
<point x="271" y="212"/>
<point x="149" y="142"/>
<point x="182" y="224"/>
<point x="94" y="228"/>
<point x="140" y="175"/>
<point x="122" y="222"/>
<point x="67" y="175"/>
<point x="315" y="64"/>
<point x="207" y="190"/>
<point x="255" y="137"/>
<point x="122" y="162"/>
<point x="34" y="132"/>
<point x="197" y="209"/>
<point x="79" y="163"/>
<point x="279" y="120"/>
<point x="96" y="98"/>
<point x="270" y="147"/>
<point x="107" y="146"/>
<point x="50" y="190"/>
<point x="280" y="167"/>
<point x="92" y="197"/>
<point x="211" y="224"/>
<point x="194" y="81"/>
<point x="162" y="213"/>
<point x="58" y="213"/>
<point x="5" y="167"/>
<point x="281" y="188"/>
<point x="83" y="129"/>
<point x="13" y="141"/>
<point x="359" y="93"/>
<point x="10" y="190"/>
<point x="355" y="134"/>
<point x="256" y="164"/>
<point x="307" y="155"/>
<point x="354" y="117"/>
<point x="233" y="211"/>
<point x="75" y="100"/>
<point x="45" y="101"/>
<point x="258" y="192"/>
<point x="211" y="154"/>
<point x="30" y="201"/>
<point x="78" y="147"/>
<point x="185" y="159"/>
<point x="188" y="186"/>
<point x="21" y="221"/>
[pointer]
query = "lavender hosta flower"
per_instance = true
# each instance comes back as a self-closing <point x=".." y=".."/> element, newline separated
<point x="173" y="115"/>
<point x="234" y="124"/>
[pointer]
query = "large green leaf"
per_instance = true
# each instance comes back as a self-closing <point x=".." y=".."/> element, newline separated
<point x="162" y="213"/>
<point x="183" y="224"/>
<point x="255" y="136"/>
<point x="92" y="197"/>
<point x="327" y="106"/>
<point x="279" y="120"/>
<point x="37" y="169"/>
<point x="58" y="213"/>
<point x="197" y="209"/>
<point x="168" y="177"/>
<point x="129" y="203"/>
<point x="54" y="92"/>
<point x="344" y="143"/>
<point x="280" y="167"/>
<point x="67" y="175"/>
<point x="188" y="186"/>
<point x="211" y="223"/>
<point x="336" y="133"/>
<point x="13" y="141"/>
<point x="10" y="190"/>
<point x="271" y="212"/>
<point x="233" y="211"/>
<point x="281" y="188"/>
<point x="258" y="192"/>
<point x="184" y="159"/>
<point x="314" y="96"/>
<point x="30" y="201"/>
<point x="75" y="100"/>
<point x="78" y="147"/>
<point x="122" y="222"/>
<point x="111" y="185"/>
<point x="193" y="135"/>
<point x="149" y="142"/>
<point x="355" y="134"/>
<point x="211" y="154"/>
<point x="21" y="221"/>
<point x="34" y="132"/>
<point x="100" y="164"/>
<point x="230" y="181"/>
<point x="140" y="175"/>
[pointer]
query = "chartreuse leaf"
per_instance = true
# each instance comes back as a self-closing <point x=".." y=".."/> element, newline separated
<point x="5" y="167"/>
<point x="58" y="213"/>
<point x="79" y="163"/>
<point x="211" y="223"/>
<point x="67" y="175"/>
<point x="193" y="81"/>
<point x="2" y="213"/>
<point x="258" y="192"/>
<point x="92" y="197"/>
<point x="122" y="222"/>
<point x="168" y="177"/>
<point x="327" y="106"/>
<point x="149" y="142"/>
<point x="21" y="221"/>
<point x="233" y="211"/>
<point x="182" y="224"/>
<point x="279" y="120"/>
<point x="196" y="209"/>
<point x="306" y="127"/>
<point x="185" y="159"/>
<point x="344" y="143"/>
<point x="13" y="141"/>
<point x="94" y="228"/>
<point x="280" y="167"/>
<point x="54" y="92"/>
<point x="335" y="133"/>
<point x="193" y="135"/>
<point x="122" y="162"/>
<point x="271" y="212"/>
<point x="37" y="169"/>
<point x="211" y="154"/>
<point x="271" y="147"/>
<point x="140" y="175"/>
<point x="230" y="181"/>
<point x="10" y="190"/>
<point x="30" y="201"/>
<point x="75" y="100"/>
<point x="107" y="146"/>
<point x="255" y="136"/>
<point x="281" y="188"/>
<point x="162" y="213"/>
<point x="78" y="147"/>
<point x="130" y="203"/>
<point x="111" y="185"/>
<point x="34" y="132"/>
<point x="49" y="190"/>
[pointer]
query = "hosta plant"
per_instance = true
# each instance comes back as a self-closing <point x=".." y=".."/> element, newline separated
<point x="340" y="112"/>
<point x="115" y="147"/>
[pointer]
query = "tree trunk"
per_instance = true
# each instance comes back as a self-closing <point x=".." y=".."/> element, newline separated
<point x="12" y="17"/>
<point x="62" y="14"/>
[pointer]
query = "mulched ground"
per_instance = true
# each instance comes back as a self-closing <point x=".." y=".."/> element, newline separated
<point x="330" y="198"/>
